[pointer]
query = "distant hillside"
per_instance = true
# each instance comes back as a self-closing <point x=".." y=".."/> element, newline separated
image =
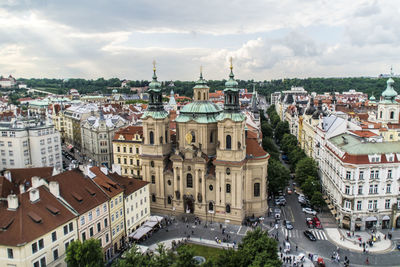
<point x="185" y="88"/>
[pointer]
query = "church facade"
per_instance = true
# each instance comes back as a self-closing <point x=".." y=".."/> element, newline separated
<point x="216" y="169"/>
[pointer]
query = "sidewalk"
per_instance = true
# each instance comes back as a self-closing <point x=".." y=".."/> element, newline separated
<point x="339" y="237"/>
<point x="195" y="240"/>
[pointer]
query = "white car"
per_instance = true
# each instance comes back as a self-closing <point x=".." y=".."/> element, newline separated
<point x="309" y="211"/>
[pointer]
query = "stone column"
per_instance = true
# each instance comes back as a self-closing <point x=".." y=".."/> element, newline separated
<point x="196" y="182"/>
<point x="181" y="183"/>
<point x="234" y="194"/>
<point x="162" y="185"/>
<point x="203" y="187"/>
<point x="223" y="189"/>
<point x="217" y="185"/>
<point x="175" y="170"/>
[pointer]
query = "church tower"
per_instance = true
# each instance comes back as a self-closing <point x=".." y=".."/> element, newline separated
<point x="388" y="107"/>
<point x="156" y="145"/>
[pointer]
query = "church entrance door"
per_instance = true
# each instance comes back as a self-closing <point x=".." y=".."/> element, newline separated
<point x="189" y="204"/>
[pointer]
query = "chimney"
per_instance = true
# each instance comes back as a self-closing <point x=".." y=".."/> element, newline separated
<point x="12" y="202"/>
<point x="55" y="188"/>
<point x="34" y="195"/>
<point x="7" y="174"/>
<point x="35" y="181"/>
<point x="104" y="170"/>
<point x="21" y="188"/>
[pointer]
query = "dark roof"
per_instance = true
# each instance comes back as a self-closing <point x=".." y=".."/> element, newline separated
<point x="110" y="187"/>
<point x="31" y="220"/>
<point x="80" y="192"/>
<point x="7" y="188"/>
<point x="129" y="185"/>
<point x="19" y="176"/>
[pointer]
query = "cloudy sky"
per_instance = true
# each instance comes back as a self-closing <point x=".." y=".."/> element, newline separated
<point x="267" y="39"/>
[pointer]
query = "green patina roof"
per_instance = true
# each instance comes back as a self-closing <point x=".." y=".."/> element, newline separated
<point x="235" y="116"/>
<point x="231" y="84"/>
<point x="199" y="111"/>
<point x="389" y="94"/>
<point x="155" y="114"/>
<point x="201" y="83"/>
<point x="354" y="145"/>
<point x="201" y="107"/>
<point x="154" y="85"/>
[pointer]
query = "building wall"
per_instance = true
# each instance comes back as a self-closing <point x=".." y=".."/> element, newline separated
<point x="137" y="208"/>
<point x="117" y="221"/>
<point x="36" y="147"/>
<point x="23" y="255"/>
<point x="129" y="152"/>
<point x="90" y="220"/>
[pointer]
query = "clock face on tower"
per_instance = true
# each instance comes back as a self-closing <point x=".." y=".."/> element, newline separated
<point x="188" y="138"/>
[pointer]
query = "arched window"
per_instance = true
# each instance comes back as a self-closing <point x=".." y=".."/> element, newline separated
<point x="228" y="142"/>
<point x="230" y="99"/>
<point x="256" y="189"/>
<point x="228" y="208"/>
<point x="210" y="206"/>
<point x="198" y="95"/>
<point x="189" y="180"/>
<point x="169" y="199"/>
<point x="151" y="138"/>
<point x="166" y="136"/>
<point x="391" y="115"/>
<point x="211" y="137"/>
<point x="161" y="139"/>
<point x="381" y="114"/>
<point x="153" y="179"/>
<point x="204" y="96"/>
<point x="193" y="137"/>
<point x="153" y="198"/>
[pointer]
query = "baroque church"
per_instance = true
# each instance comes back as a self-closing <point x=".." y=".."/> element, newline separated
<point x="215" y="168"/>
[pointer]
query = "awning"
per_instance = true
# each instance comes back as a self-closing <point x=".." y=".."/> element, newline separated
<point x="331" y="207"/>
<point x="140" y="232"/>
<point x="333" y="211"/>
<point x="385" y="218"/>
<point x="70" y="146"/>
<point x="346" y="222"/>
<point x="150" y="224"/>
<point x="371" y="219"/>
<point x="325" y="197"/>
<point x="156" y="218"/>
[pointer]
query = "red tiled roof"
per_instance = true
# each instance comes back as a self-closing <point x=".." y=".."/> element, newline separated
<point x="74" y="182"/>
<point x="7" y="188"/>
<point x="19" y="176"/>
<point x="19" y="227"/>
<point x="129" y="185"/>
<point x="129" y="133"/>
<point x="363" y="133"/>
<point x="109" y="186"/>
<point x="254" y="149"/>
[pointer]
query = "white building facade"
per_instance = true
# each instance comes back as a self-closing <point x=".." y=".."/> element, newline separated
<point x="29" y="143"/>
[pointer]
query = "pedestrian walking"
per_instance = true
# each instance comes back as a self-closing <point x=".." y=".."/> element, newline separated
<point x="296" y="247"/>
<point x="280" y="249"/>
<point x="367" y="261"/>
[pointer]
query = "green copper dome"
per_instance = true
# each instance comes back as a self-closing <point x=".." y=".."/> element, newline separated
<point x="389" y="94"/>
<point x="231" y="84"/>
<point x="201" y="83"/>
<point x="154" y="84"/>
<point x="201" y="107"/>
<point x="372" y="98"/>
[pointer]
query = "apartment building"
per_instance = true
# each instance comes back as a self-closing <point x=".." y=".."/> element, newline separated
<point x="91" y="204"/>
<point x="36" y="227"/>
<point x="73" y="117"/>
<point x="115" y="194"/>
<point x="29" y="142"/>
<point x="127" y="149"/>
<point x="97" y="137"/>
<point x="136" y="201"/>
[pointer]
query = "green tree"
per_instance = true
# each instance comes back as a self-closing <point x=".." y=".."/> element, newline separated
<point x="310" y="186"/>
<point x="317" y="200"/>
<point x="86" y="254"/>
<point x="304" y="168"/>
<point x="269" y="145"/>
<point x="278" y="176"/>
<point x="184" y="257"/>
<point x="266" y="129"/>
<point x="281" y="128"/>
<point x="295" y="155"/>
<point x="288" y="142"/>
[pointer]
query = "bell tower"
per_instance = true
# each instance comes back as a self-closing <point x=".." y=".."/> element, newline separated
<point x="388" y="107"/>
<point x="156" y="145"/>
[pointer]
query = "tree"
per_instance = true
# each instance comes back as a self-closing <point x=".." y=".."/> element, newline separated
<point x="310" y="186"/>
<point x="281" y="128"/>
<point x="288" y="142"/>
<point x="266" y="129"/>
<point x="295" y="155"/>
<point x="317" y="200"/>
<point x="269" y="145"/>
<point x="86" y="254"/>
<point x="185" y="257"/>
<point x="304" y="168"/>
<point x="278" y="176"/>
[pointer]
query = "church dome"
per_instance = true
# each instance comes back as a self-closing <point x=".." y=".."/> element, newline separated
<point x="389" y="93"/>
<point x="200" y="107"/>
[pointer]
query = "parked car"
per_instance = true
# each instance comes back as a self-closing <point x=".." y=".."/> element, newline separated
<point x="289" y="191"/>
<point x="398" y="245"/>
<point x="288" y="225"/>
<point x="310" y="235"/>
<point x="317" y="222"/>
<point x="309" y="211"/>
<point x="309" y="222"/>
